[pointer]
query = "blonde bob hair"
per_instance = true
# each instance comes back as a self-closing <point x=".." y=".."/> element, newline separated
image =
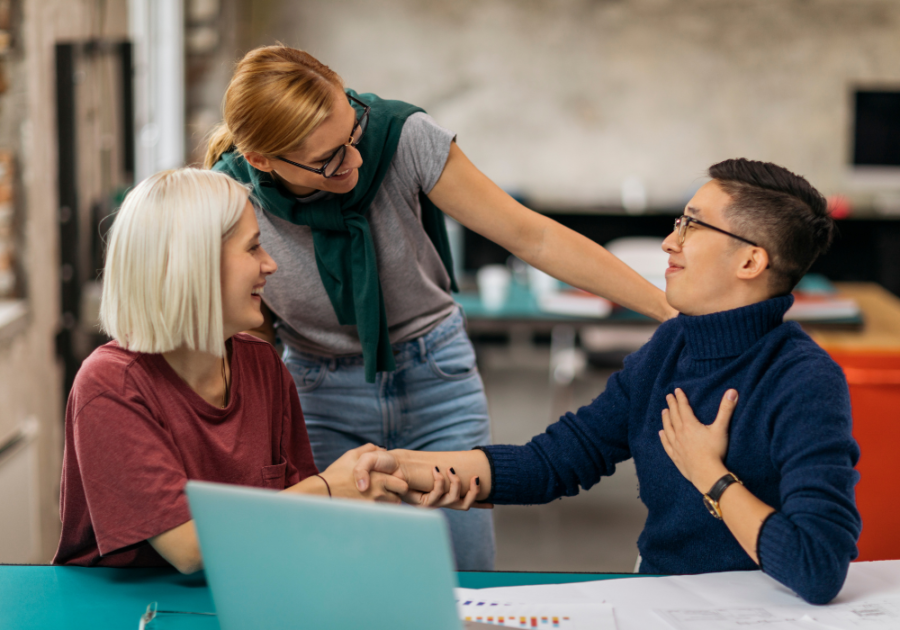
<point x="277" y="97"/>
<point x="162" y="280"/>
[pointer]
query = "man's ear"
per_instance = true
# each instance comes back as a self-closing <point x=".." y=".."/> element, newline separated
<point x="754" y="263"/>
<point x="259" y="161"/>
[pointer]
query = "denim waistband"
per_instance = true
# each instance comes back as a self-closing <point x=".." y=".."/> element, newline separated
<point x="404" y="352"/>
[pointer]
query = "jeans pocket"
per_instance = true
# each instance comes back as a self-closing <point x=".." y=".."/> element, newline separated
<point x="273" y="476"/>
<point x="454" y="361"/>
<point x="307" y="374"/>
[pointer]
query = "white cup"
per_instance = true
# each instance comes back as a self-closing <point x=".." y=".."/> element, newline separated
<point x="493" y="286"/>
<point x="541" y="283"/>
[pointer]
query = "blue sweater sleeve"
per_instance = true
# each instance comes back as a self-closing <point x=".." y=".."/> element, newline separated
<point x="575" y="451"/>
<point x="809" y="542"/>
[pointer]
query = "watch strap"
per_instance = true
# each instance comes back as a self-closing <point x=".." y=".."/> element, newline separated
<point x="715" y="493"/>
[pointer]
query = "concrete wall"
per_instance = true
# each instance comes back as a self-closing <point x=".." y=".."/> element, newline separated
<point x="215" y="40"/>
<point x="565" y="99"/>
<point x="30" y="377"/>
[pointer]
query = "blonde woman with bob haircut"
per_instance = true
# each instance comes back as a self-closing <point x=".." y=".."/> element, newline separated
<point x="180" y="394"/>
<point x="353" y="190"/>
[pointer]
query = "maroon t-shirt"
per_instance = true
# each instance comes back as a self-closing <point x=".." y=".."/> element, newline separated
<point x="135" y="433"/>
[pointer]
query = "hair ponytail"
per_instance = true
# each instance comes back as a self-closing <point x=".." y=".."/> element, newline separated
<point x="277" y="97"/>
<point x="220" y="142"/>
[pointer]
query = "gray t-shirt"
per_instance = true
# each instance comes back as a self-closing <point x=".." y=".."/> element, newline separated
<point x="414" y="281"/>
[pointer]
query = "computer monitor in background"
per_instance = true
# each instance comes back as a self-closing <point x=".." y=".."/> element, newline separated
<point x="876" y="129"/>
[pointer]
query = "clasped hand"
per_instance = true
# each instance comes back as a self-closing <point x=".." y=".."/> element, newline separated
<point x="384" y="487"/>
<point x="427" y="485"/>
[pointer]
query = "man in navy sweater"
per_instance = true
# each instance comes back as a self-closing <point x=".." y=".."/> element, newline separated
<point x="757" y="470"/>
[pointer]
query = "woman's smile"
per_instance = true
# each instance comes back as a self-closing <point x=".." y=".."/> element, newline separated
<point x="257" y="292"/>
<point x="339" y="177"/>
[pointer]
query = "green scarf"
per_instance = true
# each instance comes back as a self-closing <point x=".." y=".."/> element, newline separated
<point x="345" y="255"/>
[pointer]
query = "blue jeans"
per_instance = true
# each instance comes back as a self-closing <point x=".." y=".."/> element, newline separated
<point x="433" y="401"/>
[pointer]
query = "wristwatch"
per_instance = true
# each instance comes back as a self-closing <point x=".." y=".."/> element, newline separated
<point x="711" y="498"/>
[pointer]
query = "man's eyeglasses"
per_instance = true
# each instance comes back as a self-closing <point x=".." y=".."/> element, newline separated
<point x="682" y="223"/>
<point x="334" y="161"/>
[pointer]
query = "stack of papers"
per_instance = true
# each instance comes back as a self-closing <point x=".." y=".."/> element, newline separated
<point x="810" y="307"/>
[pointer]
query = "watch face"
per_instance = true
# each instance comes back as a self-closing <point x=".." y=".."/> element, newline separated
<point x="712" y="506"/>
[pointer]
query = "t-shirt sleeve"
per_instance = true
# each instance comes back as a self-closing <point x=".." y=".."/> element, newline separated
<point x="295" y="447"/>
<point x="132" y="473"/>
<point x="422" y="152"/>
<point x="809" y="542"/>
<point x="573" y="453"/>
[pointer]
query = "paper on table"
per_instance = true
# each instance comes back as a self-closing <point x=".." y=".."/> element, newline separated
<point x="880" y="615"/>
<point x="635" y="598"/>
<point x="873" y="615"/>
<point x="739" y="619"/>
<point x="472" y="607"/>
<point x="570" y="617"/>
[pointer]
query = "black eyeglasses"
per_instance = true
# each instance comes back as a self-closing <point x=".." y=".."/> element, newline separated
<point x="334" y="161"/>
<point x="682" y="222"/>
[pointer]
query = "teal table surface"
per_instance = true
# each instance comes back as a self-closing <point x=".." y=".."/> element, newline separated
<point x="491" y="579"/>
<point x="521" y="304"/>
<point x="76" y="598"/>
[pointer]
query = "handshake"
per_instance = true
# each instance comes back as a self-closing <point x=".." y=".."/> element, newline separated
<point x="456" y="479"/>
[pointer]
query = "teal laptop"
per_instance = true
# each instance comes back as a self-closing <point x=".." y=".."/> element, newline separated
<point x="276" y="560"/>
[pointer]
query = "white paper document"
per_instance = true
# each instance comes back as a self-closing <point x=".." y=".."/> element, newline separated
<point x="739" y="619"/>
<point x="865" y="615"/>
<point x="472" y="607"/>
<point x="870" y="600"/>
<point x="880" y="615"/>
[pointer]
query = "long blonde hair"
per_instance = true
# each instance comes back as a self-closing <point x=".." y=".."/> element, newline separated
<point x="277" y="97"/>
<point x="162" y="284"/>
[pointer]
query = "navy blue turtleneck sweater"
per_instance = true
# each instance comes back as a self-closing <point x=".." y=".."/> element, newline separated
<point x="790" y="443"/>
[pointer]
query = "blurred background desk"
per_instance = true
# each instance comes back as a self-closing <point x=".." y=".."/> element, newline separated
<point x="880" y="333"/>
<point x="521" y="318"/>
<point x="871" y="361"/>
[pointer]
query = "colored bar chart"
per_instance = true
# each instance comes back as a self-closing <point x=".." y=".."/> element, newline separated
<point x="537" y="616"/>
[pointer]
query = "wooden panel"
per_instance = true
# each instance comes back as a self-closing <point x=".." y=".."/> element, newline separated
<point x="881" y="331"/>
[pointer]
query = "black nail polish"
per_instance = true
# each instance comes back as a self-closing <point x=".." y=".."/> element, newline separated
<point x="477" y="481"/>
<point x="452" y="471"/>
<point x="437" y="469"/>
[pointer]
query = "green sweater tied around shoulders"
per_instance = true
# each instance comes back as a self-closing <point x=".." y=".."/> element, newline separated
<point x="345" y="254"/>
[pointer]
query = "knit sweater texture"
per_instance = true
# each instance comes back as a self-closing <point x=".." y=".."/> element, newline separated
<point x="790" y="443"/>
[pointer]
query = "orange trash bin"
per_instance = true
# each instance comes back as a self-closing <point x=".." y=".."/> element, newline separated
<point x="874" y="380"/>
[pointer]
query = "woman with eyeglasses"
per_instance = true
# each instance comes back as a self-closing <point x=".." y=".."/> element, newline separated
<point x="353" y="189"/>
